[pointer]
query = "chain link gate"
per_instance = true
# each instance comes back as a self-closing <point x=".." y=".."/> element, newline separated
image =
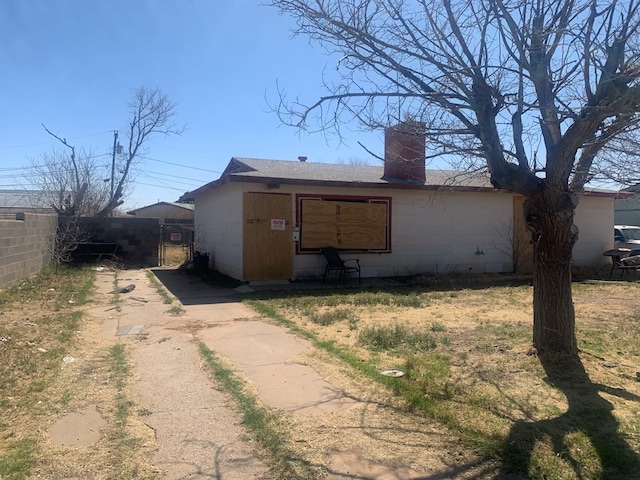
<point x="176" y="244"/>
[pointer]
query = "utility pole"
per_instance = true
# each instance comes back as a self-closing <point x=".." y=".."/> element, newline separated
<point x="113" y="161"/>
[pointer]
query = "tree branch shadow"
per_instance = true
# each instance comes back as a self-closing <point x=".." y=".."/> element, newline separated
<point x="589" y="415"/>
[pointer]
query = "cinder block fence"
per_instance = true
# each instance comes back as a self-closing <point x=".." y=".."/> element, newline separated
<point x="25" y="244"/>
<point x="26" y="241"/>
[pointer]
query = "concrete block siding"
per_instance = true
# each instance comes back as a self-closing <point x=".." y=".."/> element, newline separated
<point x="25" y="245"/>
<point x="137" y="238"/>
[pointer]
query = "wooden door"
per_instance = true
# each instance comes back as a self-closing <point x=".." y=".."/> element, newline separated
<point x="268" y="242"/>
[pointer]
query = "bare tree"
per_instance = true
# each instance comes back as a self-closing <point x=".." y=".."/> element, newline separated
<point x="68" y="236"/>
<point x="152" y="113"/>
<point x="545" y="94"/>
<point x="72" y="180"/>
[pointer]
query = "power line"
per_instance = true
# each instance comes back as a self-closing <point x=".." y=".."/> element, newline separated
<point x="53" y="164"/>
<point x="160" y="186"/>
<point x="192" y="184"/>
<point x="52" y="141"/>
<point x="148" y="172"/>
<point x="180" y="165"/>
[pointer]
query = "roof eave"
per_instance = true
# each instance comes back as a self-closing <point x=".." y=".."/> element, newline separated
<point x="352" y="184"/>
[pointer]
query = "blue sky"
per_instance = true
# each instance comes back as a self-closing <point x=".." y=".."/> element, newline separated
<point x="73" y="65"/>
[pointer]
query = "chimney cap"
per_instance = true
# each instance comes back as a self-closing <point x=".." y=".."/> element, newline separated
<point x="302" y="159"/>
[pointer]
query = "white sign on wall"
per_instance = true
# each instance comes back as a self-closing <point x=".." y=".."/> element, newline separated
<point x="278" y="224"/>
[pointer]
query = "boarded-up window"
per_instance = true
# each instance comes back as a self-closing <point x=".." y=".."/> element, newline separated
<point x="348" y="225"/>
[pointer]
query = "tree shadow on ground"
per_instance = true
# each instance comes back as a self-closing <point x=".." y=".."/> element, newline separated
<point x="589" y="417"/>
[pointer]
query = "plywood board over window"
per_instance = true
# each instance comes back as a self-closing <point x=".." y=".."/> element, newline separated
<point x="344" y="224"/>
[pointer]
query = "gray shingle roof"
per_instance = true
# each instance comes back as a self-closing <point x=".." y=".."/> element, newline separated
<point x="329" y="172"/>
<point x="296" y="172"/>
<point x="242" y="169"/>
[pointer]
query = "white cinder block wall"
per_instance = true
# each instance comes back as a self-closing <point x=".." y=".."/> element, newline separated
<point x="432" y="232"/>
<point x="218" y="228"/>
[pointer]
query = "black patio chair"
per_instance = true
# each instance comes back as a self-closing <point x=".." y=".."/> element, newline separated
<point x="336" y="264"/>
<point x="620" y="260"/>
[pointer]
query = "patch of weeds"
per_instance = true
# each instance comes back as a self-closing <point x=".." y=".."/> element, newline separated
<point x="395" y="337"/>
<point x="332" y="316"/>
<point x="429" y="374"/>
<point x="122" y="444"/>
<point x="68" y="326"/>
<point x="166" y="299"/>
<point x="508" y="331"/>
<point x="264" y="424"/>
<point x="353" y="323"/>
<point x="594" y="341"/>
<point x="18" y="459"/>
<point x="393" y="299"/>
<point x="66" y="398"/>
<point x="37" y="386"/>
<point x="437" y="327"/>
<point x="116" y="296"/>
<point x="119" y="372"/>
<point x="32" y="346"/>
<point x="175" y="310"/>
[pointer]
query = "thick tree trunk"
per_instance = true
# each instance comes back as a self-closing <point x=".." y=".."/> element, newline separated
<point x="550" y="221"/>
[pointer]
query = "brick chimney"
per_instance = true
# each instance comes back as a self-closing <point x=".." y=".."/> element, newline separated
<point x="404" y="152"/>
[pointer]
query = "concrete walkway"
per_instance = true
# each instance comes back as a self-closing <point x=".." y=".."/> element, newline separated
<point x="198" y="434"/>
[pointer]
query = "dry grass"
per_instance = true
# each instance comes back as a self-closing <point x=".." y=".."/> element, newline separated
<point x="53" y="361"/>
<point x="175" y="255"/>
<point x="473" y="403"/>
<point x="465" y="352"/>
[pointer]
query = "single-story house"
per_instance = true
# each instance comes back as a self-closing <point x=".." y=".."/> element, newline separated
<point x="268" y="219"/>
<point x="627" y="210"/>
<point x="167" y="212"/>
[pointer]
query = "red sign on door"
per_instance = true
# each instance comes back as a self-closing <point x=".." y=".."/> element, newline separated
<point x="278" y="224"/>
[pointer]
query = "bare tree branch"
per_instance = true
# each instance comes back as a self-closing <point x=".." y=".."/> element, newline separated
<point x="544" y="94"/>
<point x="76" y="185"/>
<point x="152" y="113"/>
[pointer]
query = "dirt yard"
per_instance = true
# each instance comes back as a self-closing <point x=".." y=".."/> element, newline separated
<point x="486" y="408"/>
<point x="475" y="373"/>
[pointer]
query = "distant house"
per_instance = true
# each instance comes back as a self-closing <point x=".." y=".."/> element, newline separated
<point x="176" y="230"/>
<point x="169" y="213"/>
<point x="34" y="201"/>
<point x="267" y="219"/>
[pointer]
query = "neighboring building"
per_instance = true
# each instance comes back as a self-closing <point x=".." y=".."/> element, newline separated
<point x="170" y="213"/>
<point x="33" y="201"/>
<point x="268" y="219"/>
<point x="627" y="210"/>
<point x="176" y="230"/>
